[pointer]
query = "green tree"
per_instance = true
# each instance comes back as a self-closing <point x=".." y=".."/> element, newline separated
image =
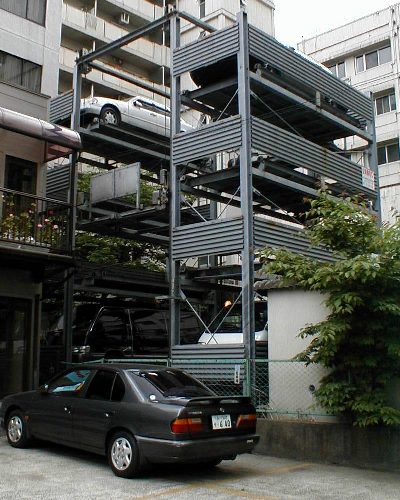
<point x="359" y="342"/>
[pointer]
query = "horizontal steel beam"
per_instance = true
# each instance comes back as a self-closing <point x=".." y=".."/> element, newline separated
<point x="129" y="79"/>
<point x="125" y="144"/>
<point x="120" y="42"/>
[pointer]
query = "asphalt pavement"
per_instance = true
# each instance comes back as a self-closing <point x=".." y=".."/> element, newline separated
<point x="50" y="472"/>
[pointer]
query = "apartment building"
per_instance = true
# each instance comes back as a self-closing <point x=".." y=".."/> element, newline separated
<point x="89" y="24"/>
<point x="365" y="53"/>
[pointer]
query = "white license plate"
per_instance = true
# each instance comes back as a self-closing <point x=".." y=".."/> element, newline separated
<point x="221" y="422"/>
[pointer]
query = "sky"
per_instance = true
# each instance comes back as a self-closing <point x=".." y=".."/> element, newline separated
<point x="295" y="19"/>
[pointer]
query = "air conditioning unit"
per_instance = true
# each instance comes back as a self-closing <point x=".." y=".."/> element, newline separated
<point x="123" y="18"/>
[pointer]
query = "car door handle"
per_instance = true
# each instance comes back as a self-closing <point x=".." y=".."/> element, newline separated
<point x="68" y="409"/>
<point x="109" y="414"/>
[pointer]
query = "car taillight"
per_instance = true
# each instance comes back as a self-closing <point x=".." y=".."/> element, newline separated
<point x="186" y="425"/>
<point x="245" y="421"/>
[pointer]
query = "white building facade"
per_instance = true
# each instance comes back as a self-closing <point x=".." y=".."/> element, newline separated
<point x="366" y="54"/>
<point x="29" y="47"/>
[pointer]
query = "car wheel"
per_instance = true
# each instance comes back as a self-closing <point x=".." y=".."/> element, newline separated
<point x="110" y="116"/>
<point x="17" y="432"/>
<point x="123" y="455"/>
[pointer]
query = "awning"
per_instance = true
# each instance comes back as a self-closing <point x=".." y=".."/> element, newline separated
<point x="59" y="141"/>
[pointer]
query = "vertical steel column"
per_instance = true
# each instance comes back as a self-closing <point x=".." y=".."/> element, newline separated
<point x="373" y="160"/>
<point x="174" y="189"/>
<point x="246" y="196"/>
<point x="69" y="282"/>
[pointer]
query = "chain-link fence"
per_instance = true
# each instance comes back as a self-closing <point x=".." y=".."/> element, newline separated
<point x="280" y="389"/>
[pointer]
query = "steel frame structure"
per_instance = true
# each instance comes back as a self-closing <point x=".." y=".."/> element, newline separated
<point x="279" y="113"/>
<point x="296" y="154"/>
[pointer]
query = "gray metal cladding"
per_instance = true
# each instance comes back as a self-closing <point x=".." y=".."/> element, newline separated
<point x="61" y="107"/>
<point x="219" y="136"/>
<point x="271" y="234"/>
<point x="270" y="51"/>
<point x="300" y="152"/>
<point x="217" y="237"/>
<point x="210" y="362"/>
<point x="57" y="182"/>
<point x="211" y="49"/>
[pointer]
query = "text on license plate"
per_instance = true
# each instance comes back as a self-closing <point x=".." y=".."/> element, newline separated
<point x="221" y="422"/>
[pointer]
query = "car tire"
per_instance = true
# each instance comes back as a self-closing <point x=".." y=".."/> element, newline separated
<point x="123" y="455"/>
<point x="110" y="116"/>
<point x="16" y="429"/>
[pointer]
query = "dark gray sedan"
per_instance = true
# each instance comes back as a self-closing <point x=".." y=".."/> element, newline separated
<point x="134" y="414"/>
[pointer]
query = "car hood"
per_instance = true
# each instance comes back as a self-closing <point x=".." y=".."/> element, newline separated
<point x="20" y="396"/>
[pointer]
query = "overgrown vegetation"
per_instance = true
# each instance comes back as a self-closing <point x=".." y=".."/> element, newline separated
<point x="359" y="342"/>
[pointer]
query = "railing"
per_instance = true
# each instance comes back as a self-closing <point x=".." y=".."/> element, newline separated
<point x="35" y="221"/>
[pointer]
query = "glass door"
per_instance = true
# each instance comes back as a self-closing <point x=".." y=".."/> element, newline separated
<point x="15" y="334"/>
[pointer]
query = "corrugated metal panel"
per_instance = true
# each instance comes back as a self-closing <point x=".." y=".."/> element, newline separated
<point x="270" y="51"/>
<point x="211" y="49"/>
<point x="300" y="152"/>
<point x="223" y="135"/>
<point x="219" y="363"/>
<point x="61" y="107"/>
<point x="274" y="235"/>
<point x="57" y="183"/>
<point x="217" y="237"/>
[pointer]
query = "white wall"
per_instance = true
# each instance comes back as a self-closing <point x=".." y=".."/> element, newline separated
<point x="38" y="44"/>
<point x="289" y="311"/>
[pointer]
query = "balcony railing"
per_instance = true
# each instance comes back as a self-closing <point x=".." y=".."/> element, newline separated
<point x="31" y="220"/>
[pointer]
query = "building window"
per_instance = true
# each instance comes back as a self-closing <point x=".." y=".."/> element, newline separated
<point x="202" y="8"/>
<point x="18" y="71"/>
<point x="20" y="175"/>
<point x="372" y="59"/>
<point x="388" y="153"/>
<point x="385" y="103"/>
<point x="33" y="10"/>
<point x="338" y="69"/>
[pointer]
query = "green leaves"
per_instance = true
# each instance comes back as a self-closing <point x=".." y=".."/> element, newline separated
<point x="360" y="340"/>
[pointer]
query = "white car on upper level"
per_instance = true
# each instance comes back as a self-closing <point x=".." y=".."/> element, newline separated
<point x="139" y="112"/>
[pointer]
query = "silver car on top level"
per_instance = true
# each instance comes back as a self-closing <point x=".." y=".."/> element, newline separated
<point x="139" y="112"/>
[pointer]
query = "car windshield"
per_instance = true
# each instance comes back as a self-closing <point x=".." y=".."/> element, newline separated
<point x="174" y="383"/>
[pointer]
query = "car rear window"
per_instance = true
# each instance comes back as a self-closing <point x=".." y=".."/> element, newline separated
<point x="174" y="383"/>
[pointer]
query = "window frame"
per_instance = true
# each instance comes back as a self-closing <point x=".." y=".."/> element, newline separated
<point x="202" y="8"/>
<point x="387" y="95"/>
<point x="21" y="75"/>
<point x="27" y="12"/>
<point x="362" y="57"/>
<point x="385" y="148"/>
<point x="335" y="66"/>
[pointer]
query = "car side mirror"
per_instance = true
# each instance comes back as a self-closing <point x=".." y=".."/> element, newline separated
<point x="44" y="389"/>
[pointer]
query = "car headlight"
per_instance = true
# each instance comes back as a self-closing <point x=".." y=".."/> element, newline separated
<point x="93" y="101"/>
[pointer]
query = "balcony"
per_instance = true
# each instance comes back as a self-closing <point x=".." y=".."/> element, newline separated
<point x="108" y="85"/>
<point x="84" y="27"/>
<point x="33" y="222"/>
